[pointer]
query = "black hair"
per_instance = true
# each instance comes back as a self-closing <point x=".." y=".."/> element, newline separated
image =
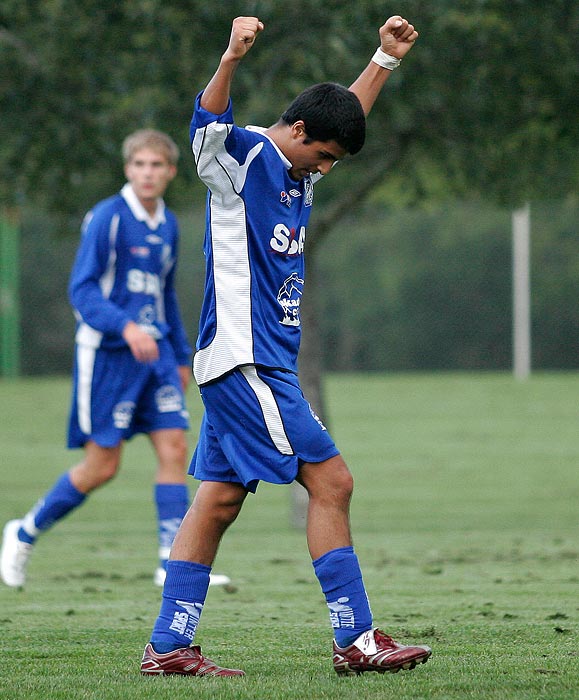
<point x="330" y="112"/>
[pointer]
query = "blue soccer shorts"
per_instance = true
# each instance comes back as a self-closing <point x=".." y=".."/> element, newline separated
<point x="257" y="426"/>
<point x="114" y="396"/>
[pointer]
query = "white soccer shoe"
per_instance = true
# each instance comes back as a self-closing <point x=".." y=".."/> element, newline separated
<point x="15" y="555"/>
<point x="214" y="579"/>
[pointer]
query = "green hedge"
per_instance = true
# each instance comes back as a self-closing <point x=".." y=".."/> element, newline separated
<point x="398" y="290"/>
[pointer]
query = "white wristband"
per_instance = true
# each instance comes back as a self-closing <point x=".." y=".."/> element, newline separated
<point x="385" y="60"/>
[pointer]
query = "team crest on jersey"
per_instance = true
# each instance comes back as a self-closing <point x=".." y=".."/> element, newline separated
<point x="146" y="321"/>
<point x="147" y="315"/>
<point x="289" y="298"/>
<point x="309" y="191"/>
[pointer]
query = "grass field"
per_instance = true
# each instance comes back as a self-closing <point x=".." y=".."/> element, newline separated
<point x="466" y="524"/>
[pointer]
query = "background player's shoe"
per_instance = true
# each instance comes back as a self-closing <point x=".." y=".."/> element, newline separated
<point x="185" y="662"/>
<point x="14" y="557"/>
<point x="376" y="651"/>
<point x="159" y="576"/>
<point x="214" y="579"/>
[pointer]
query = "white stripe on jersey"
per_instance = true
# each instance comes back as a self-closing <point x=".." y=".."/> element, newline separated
<point x="107" y="281"/>
<point x="85" y="357"/>
<point x="271" y="414"/>
<point x="86" y="334"/>
<point x="233" y="342"/>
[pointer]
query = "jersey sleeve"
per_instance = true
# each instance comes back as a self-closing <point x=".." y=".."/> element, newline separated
<point x="89" y="286"/>
<point x="209" y="133"/>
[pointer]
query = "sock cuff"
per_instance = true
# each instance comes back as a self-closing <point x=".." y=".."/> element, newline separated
<point x="187" y="580"/>
<point x="75" y="496"/>
<point x="171" y="492"/>
<point x="331" y="554"/>
<point x="337" y="568"/>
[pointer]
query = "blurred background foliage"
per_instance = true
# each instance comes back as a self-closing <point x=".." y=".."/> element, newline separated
<point x="410" y="243"/>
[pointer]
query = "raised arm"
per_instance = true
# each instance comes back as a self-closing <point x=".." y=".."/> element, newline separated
<point x="244" y="31"/>
<point x="397" y="37"/>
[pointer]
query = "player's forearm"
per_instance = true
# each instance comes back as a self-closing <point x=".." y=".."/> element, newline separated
<point x="397" y="37"/>
<point x="87" y="300"/>
<point x="368" y="85"/>
<point x="244" y="31"/>
<point x="215" y="97"/>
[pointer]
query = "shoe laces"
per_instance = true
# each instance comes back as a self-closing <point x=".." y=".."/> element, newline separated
<point x="23" y="552"/>
<point x="383" y="639"/>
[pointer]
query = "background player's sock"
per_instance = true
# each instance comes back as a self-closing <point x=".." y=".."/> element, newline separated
<point x="172" y="502"/>
<point x="58" y="502"/>
<point x="184" y="595"/>
<point x="339" y="574"/>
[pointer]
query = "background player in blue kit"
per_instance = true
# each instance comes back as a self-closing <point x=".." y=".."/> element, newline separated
<point x="257" y="424"/>
<point x="132" y="357"/>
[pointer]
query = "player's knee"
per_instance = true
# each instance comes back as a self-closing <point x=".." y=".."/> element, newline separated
<point x="177" y="453"/>
<point x="341" y="488"/>
<point x="228" y="510"/>
<point x="328" y="481"/>
<point x="227" y="501"/>
<point x="344" y="484"/>
<point x="107" y="470"/>
<point x="91" y="474"/>
<point x="172" y="453"/>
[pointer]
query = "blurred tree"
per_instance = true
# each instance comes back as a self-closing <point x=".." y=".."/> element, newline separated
<point x="485" y="103"/>
<point x="488" y="97"/>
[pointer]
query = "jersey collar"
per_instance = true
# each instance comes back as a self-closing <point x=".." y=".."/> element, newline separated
<point x="139" y="211"/>
<point x="261" y="130"/>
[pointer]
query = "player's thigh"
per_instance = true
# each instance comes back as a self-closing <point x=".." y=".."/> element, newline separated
<point x="106" y="389"/>
<point x="161" y="403"/>
<point x="258" y="427"/>
<point x="281" y="398"/>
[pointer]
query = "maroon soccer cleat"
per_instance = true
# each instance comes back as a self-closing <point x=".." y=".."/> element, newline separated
<point x="184" y="662"/>
<point x="376" y="651"/>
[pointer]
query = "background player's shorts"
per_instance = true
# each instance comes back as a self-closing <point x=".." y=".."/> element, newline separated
<point x="258" y="426"/>
<point x="114" y="396"/>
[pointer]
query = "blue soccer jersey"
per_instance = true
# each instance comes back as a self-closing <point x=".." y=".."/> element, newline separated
<point x="124" y="271"/>
<point x="254" y="248"/>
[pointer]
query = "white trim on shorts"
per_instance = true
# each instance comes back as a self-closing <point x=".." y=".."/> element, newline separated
<point x="85" y="368"/>
<point x="270" y="409"/>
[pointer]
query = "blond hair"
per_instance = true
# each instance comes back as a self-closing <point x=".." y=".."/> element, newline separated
<point x="153" y="139"/>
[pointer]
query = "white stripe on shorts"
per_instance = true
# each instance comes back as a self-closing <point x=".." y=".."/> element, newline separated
<point x="85" y="367"/>
<point x="271" y="414"/>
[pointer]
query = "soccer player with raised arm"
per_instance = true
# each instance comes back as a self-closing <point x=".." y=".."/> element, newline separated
<point x="257" y="424"/>
<point x="132" y="357"/>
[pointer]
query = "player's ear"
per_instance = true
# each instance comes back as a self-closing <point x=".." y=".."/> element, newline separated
<point x="172" y="171"/>
<point x="298" y="129"/>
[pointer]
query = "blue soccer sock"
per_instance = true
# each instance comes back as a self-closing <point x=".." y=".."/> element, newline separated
<point x="339" y="574"/>
<point x="172" y="502"/>
<point x="58" y="502"/>
<point x="184" y="595"/>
